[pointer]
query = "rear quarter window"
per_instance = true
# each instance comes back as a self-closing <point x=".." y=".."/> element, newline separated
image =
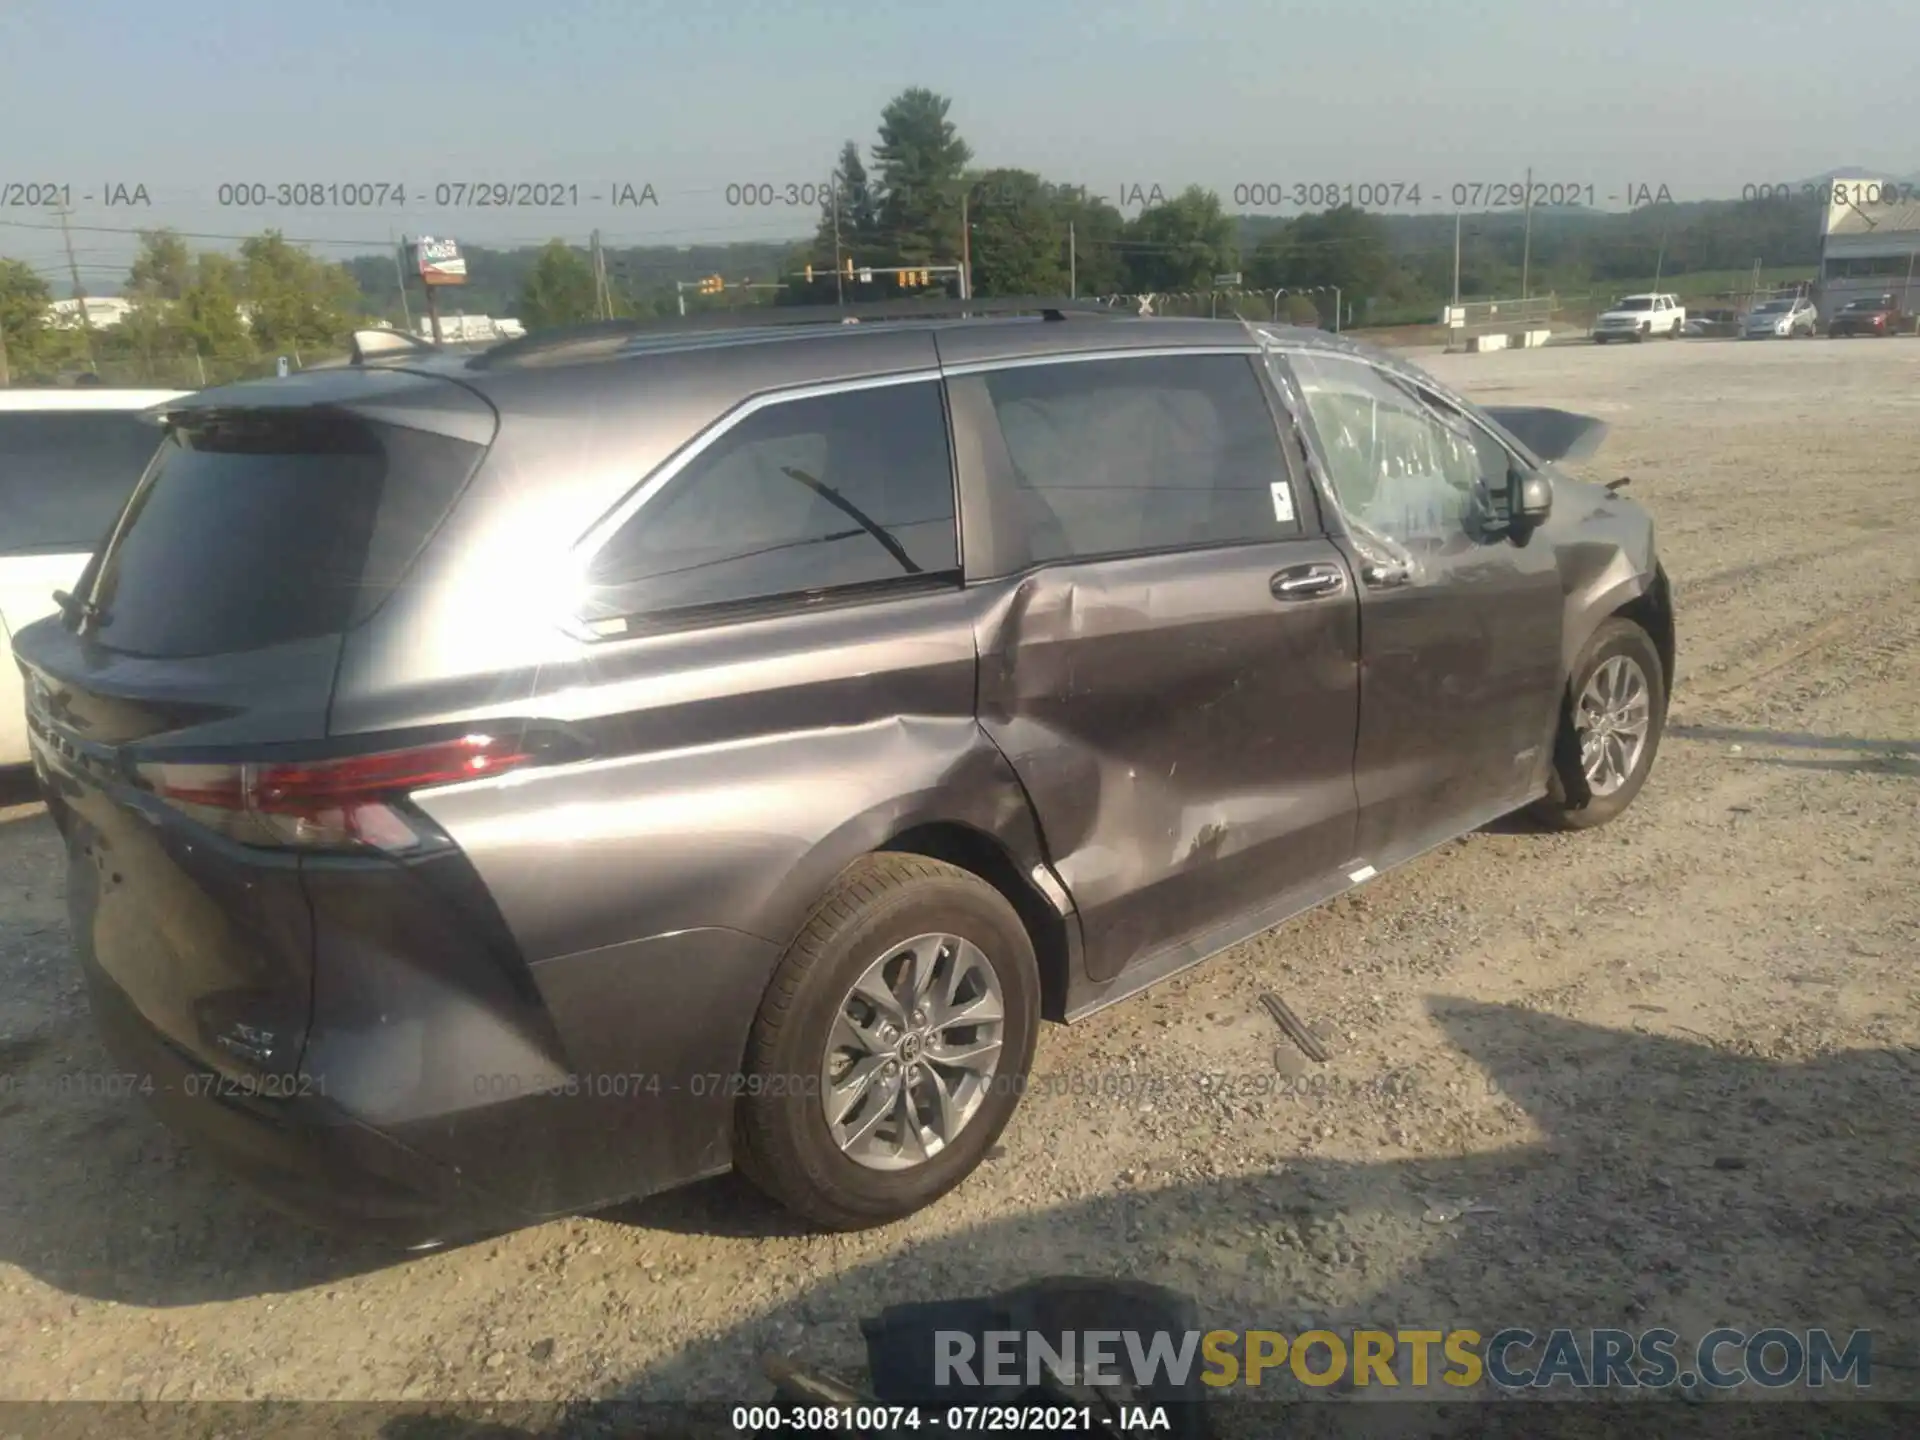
<point x="257" y="529"/>
<point x="802" y="498"/>
<point x="65" y="474"/>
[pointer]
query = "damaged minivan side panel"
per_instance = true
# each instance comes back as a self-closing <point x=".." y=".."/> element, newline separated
<point x="1183" y="729"/>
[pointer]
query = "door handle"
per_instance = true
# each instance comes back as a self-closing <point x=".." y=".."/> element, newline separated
<point x="1308" y="582"/>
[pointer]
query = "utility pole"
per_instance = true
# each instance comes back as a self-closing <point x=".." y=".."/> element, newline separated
<point x="79" y="292"/>
<point x="1456" y="257"/>
<point x="433" y="301"/>
<point x="400" y="274"/>
<point x="1073" y="265"/>
<point x="966" y="251"/>
<point x="600" y="306"/>
<point x="6" y="375"/>
<point x="839" y="284"/>
<point x="1660" y="260"/>
<point x="1526" y="244"/>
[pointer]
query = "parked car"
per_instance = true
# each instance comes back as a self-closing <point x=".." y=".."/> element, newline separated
<point x="1783" y="319"/>
<point x="1869" y="315"/>
<point x="1641" y="317"/>
<point x="1719" y="324"/>
<point x="500" y="786"/>
<point x="68" y="460"/>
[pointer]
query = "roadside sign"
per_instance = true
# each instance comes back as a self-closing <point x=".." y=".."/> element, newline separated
<point x="440" y="261"/>
<point x="1229" y="279"/>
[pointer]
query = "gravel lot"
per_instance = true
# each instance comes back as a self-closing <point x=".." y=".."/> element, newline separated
<point x="1660" y="1074"/>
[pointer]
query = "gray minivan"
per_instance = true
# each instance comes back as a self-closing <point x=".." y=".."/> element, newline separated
<point x="500" y="785"/>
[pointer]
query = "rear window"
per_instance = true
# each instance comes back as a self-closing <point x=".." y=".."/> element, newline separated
<point x="64" y="475"/>
<point x="255" y="529"/>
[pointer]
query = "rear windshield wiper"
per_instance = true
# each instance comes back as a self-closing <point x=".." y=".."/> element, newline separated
<point x="72" y="607"/>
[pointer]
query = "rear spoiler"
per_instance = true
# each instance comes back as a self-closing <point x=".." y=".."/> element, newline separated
<point x="1551" y="434"/>
<point x="385" y="344"/>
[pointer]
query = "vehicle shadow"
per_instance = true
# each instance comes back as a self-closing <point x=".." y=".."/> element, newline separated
<point x="1873" y="757"/>
<point x="1672" y="1183"/>
<point x="18" y="786"/>
<point x="1789" y="739"/>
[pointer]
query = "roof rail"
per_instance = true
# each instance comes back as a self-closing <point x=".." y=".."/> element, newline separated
<point x="766" y="317"/>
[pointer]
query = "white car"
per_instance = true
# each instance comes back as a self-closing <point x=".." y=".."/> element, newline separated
<point x="1781" y="320"/>
<point x="68" y="461"/>
<point x="1641" y="317"/>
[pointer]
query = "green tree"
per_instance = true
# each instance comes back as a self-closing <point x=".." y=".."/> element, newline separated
<point x="1182" y="244"/>
<point x="210" y="315"/>
<point x="559" y="290"/>
<point x="24" y="299"/>
<point x="1019" y="237"/>
<point x="853" y="202"/>
<point x="295" y="302"/>
<point x="920" y="161"/>
<point x="163" y="268"/>
<point x="1094" y="229"/>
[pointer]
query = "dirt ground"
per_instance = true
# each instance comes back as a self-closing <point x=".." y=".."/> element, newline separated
<point x="1661" y="1074"/>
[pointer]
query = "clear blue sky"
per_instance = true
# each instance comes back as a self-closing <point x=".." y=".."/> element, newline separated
<point x="181" y="95"/>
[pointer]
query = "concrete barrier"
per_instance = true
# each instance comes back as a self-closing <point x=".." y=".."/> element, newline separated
<point x="1480" y="344"/>
<point x="1531" y="339"/>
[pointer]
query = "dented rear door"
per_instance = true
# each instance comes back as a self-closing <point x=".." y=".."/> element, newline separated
<point x="1182" y="714"/>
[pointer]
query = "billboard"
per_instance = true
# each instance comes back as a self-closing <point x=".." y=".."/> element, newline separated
<point x="440" y="261"/>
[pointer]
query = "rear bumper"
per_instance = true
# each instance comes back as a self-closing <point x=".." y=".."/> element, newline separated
<point x="304" y="1154"/>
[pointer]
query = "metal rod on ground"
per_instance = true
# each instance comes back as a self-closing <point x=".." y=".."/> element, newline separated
<point x="1295" y="1029"/>
<point x="815" y="1386"/>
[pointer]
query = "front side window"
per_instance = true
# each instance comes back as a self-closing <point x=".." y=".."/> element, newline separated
<point x="1396" y="464"/>
<point x="799" y="498"/>
<point x="1155" y="453"/>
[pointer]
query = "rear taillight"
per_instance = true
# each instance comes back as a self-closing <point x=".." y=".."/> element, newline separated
<point x="339" y="804"/>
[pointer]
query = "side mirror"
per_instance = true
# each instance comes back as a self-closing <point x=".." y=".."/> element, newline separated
<point x="1530" y="497"/>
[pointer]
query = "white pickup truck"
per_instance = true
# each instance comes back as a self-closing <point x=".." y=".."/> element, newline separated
<point x="1638" y="317"/>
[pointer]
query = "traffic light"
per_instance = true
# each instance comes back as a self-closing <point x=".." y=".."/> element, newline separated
<point x="712" y="285"/>
<point x="809" y="274"/>
<point x="846" y="267"/>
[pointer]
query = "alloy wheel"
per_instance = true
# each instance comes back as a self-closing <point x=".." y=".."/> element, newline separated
<point x="913" y="1051"/>
<point x="1612" y="721"/>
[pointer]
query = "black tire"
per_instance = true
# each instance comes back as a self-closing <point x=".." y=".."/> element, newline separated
<point x="1568" y="804"/>
<point x="781" y="1140"/>
<point x="1599" y="339"/>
